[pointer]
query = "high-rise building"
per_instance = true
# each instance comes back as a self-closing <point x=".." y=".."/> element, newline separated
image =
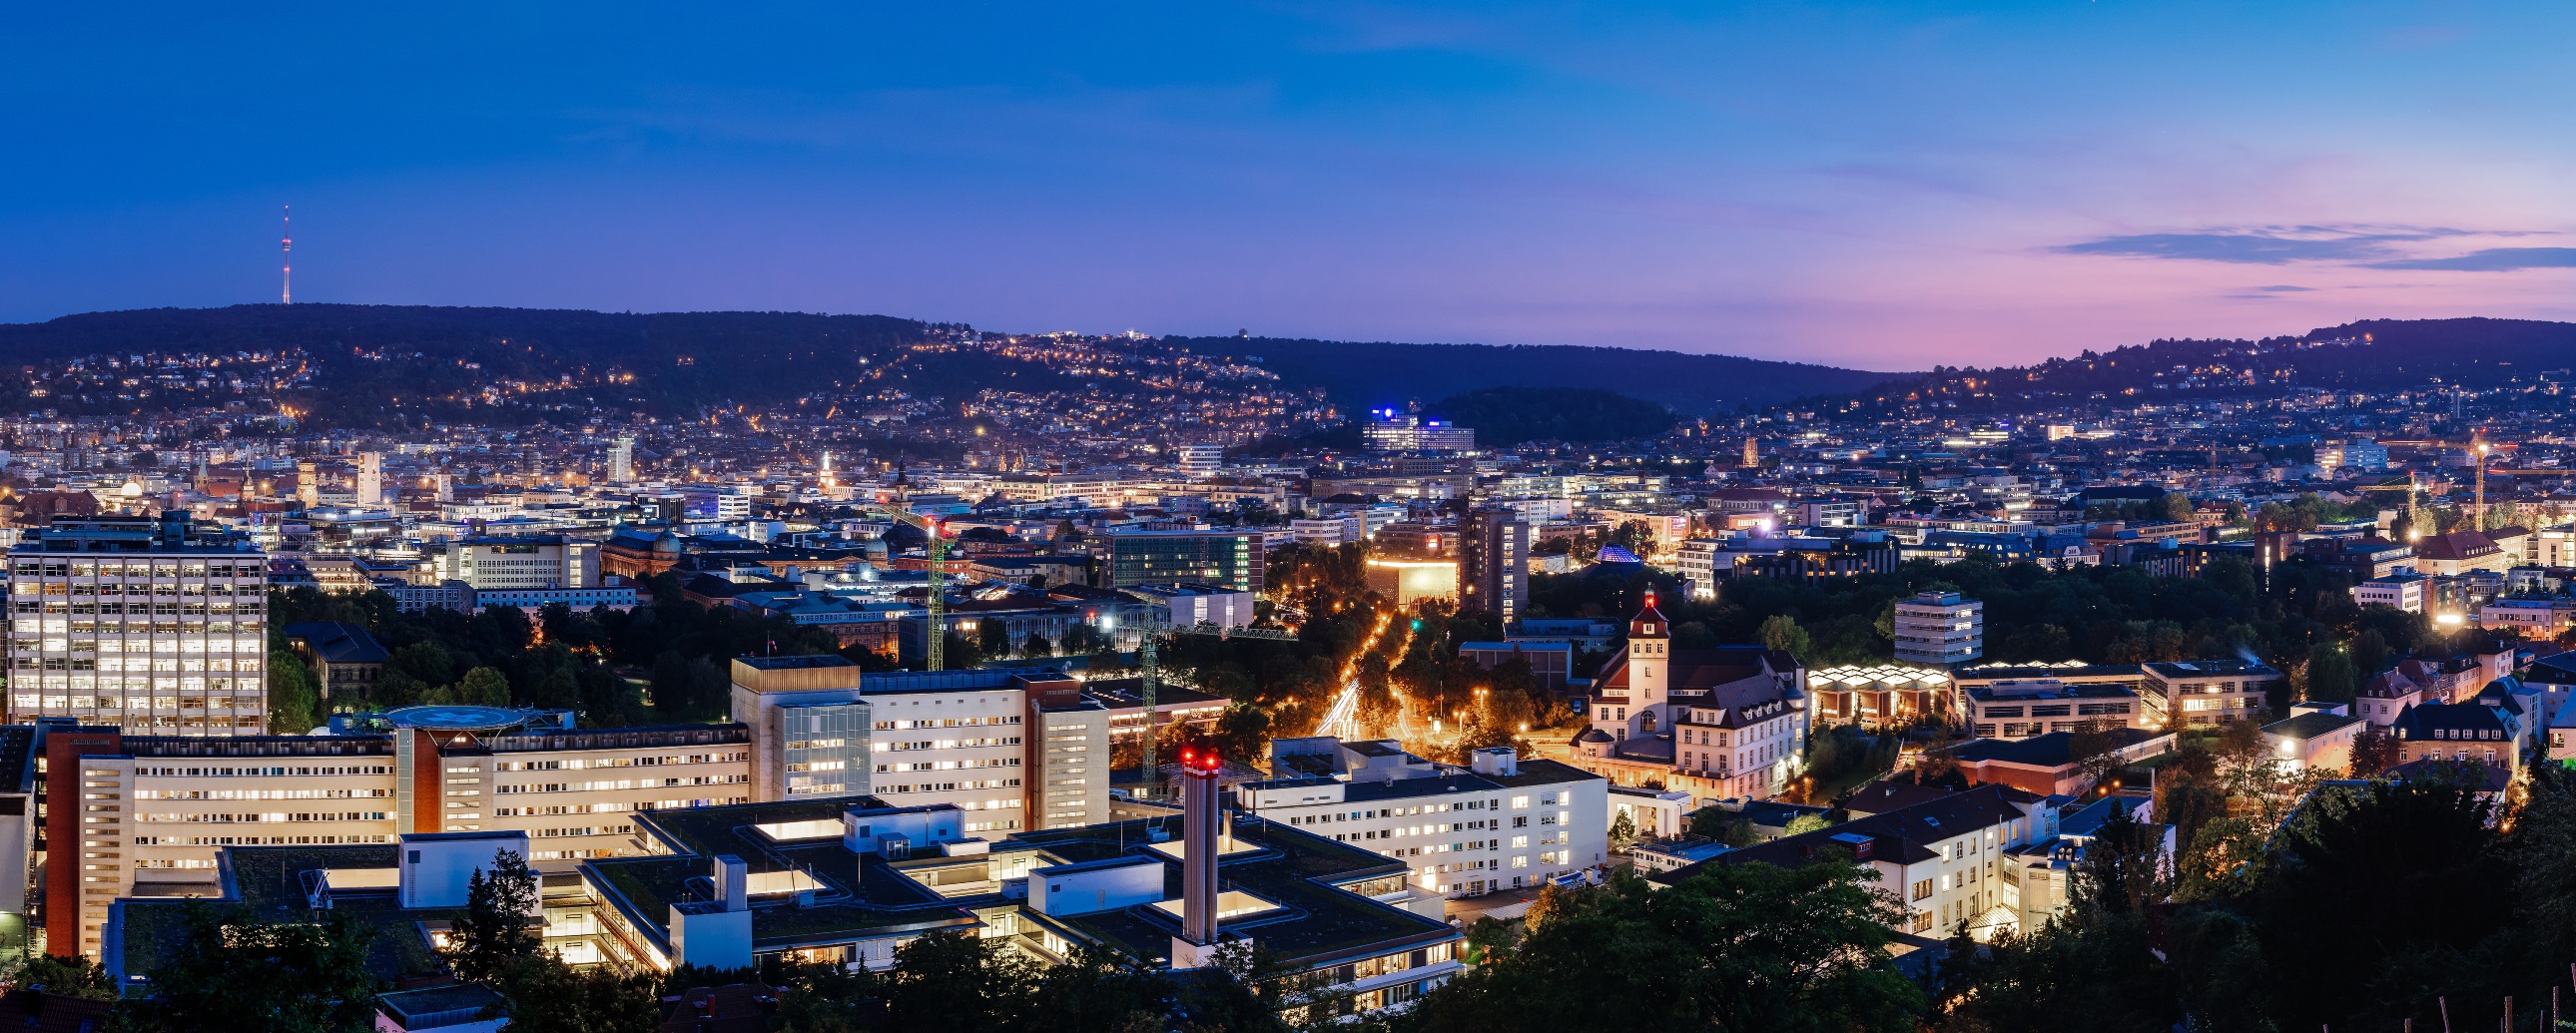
<point x="308" y="485"/>
<point x="1493" y="563"/>
<point x="1752" y="453"/>
<point x="1940" y="628"/>
<point x="621" y="460"/>
<point x="152" y="625"/>
<point x="371" y="479"/>
<point x="443" y="486"/>
<point x="1233" y="559"/>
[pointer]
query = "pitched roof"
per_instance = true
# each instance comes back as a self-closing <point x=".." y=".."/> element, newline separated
<point x="2456" y="545"/>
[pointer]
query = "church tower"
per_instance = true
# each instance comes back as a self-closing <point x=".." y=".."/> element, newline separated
<point x="1650" y="640"/>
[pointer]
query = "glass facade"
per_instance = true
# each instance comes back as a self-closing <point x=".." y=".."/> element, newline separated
<point x="825" y="749"/>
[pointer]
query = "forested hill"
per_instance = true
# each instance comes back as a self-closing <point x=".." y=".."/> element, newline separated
<point x="366" y="358"/>
<point x="1364" y="375"/>
<point x="2376" y="354"/>
<point x="367" y="361"/>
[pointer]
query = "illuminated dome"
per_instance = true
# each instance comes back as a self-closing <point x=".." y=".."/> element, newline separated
<point x="666" y="544"/>
<point x="133" y="488"/>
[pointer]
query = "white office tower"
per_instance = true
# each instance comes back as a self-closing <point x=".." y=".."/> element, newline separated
<point x="371" y="479"/>
<point x="308" y="485"/>
<point x="1940" y="628"/>
<point x="150" y="625"/>
<point x="621" y="460"/>
<point x="1199" y="460"/>
<point x="445" y="485"/>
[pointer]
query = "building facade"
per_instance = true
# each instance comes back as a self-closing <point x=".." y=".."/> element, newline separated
<point x="144" y="624"/>
<point x="1940" y="628"/>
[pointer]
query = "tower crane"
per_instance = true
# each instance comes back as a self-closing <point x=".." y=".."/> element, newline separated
<point x="936" y="549"/>
<point x="1147" y="667"/>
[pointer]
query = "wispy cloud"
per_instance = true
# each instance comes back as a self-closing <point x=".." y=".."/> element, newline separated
<point x="2266" y="245"/>
<point x="2283" y="289"/>
<point x="2491" y="260"/>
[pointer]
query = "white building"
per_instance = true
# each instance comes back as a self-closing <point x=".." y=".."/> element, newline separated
<point x="2403" y="589"/>
<point x="1013" y="750"/>
<point x="1940" y="628"/>
<point x="530" y="561"/>
<point x="1499" y="823"/>
<point x="139" y="623"/>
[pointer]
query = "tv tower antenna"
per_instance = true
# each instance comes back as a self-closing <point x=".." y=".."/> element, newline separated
<point x="285" y="257"/>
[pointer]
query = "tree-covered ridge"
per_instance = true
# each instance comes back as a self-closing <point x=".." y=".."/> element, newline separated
<point x="1506" y="416"/>
<point x="2377" y="355"/>
<point x="1361" y="375"/>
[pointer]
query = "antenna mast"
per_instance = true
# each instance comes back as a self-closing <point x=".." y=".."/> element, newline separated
<point x="285" y="257"/>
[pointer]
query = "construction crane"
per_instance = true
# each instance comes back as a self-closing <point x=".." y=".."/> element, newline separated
<point x="934" y="647"/>
<point x="1146" y="667"/>
<point x="2412" y="488"/>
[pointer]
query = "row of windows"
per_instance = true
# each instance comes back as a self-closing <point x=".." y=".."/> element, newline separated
<point x="137" y="568"/>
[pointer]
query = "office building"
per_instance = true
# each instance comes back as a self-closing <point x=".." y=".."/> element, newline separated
<point x="1232" y="559"/>
<point x="2205" y="692"/>
<point x="1011" y="749"/>
<point x="573" y="793"/>
<point x="1498" y="823"/>
<point x="2025" y="709"/>
<point x="527" y="561"/>
<point x="1940" y="628"/>
<point x="155" y="626"/>
<point x="1493" y="563"/>
<point x="1390" y="431"/>
<point x="621" y="460"/>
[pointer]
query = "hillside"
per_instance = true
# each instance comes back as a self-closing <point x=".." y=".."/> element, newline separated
<point x="420" y="362"/>
<point x="1503" y="416"/>
<point x="1361" y="376"/>
<point x="2377" y="354"/>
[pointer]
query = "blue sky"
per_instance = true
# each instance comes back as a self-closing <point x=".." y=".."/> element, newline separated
<point x="1887" y="186"/>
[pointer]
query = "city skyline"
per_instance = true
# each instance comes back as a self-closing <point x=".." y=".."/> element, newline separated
<point x="1872" y="188"/>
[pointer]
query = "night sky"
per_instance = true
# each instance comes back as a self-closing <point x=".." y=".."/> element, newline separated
<point x="1885" y="186"/>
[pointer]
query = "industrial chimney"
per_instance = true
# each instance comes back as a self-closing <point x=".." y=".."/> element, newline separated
<point x="1200" y="821"/>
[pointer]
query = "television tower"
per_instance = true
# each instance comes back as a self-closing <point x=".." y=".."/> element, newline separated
<point x="285" y="255"/>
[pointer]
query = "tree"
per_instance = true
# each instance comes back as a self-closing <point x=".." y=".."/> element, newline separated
<point x="1724" y="826"/>
<point x="293" y="699"/>
<point x="947" y="981"/>
<point x="498" y="904"/>
<point x="426" y="662"/>
<point x="1623" y="833"/>
<point x="70" y="977"/>
<point x="239" y="973"/>
<point x="484" y="686"/>
<point x="1037" y="645"/>
<point x="544" y="995"/>
<point x="2375" y="751"/>
<point x="1744" y="946"/>
<point x="1805" y="823"/>
<point x="2332" y="677"/>
<point x="397" y="688"/>
<point x="993" y="638"/>
<point x="1782" y="632"/>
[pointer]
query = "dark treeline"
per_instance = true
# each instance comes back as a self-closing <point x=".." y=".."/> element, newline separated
<point x="604" y="663"/>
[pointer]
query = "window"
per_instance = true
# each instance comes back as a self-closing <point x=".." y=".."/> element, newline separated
<point x="1923" y="889"/>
